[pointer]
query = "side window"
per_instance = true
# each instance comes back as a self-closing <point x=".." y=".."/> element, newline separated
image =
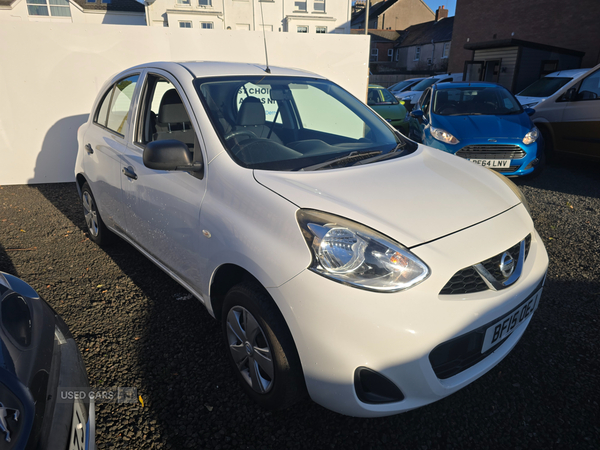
<point x="590" y="87"/>
<point x="263" y="93"/>
<point x="102" y="113"/>
<point x="120" y="103"/>
<point x="164" y="115"/>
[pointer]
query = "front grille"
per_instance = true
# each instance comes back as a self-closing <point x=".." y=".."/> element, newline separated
<point x="468" y="280"/>
<point x="465" y="281"/>
<point x="492" y="151"/>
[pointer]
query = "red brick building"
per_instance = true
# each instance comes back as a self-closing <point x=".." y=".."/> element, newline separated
<point x="515" y="42"/>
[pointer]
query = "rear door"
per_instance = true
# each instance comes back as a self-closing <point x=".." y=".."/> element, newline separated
<point x="105" y="143"/>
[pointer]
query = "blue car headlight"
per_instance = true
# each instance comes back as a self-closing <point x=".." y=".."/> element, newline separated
<point x="443" y="136"/>
<point x="532" y="136"/>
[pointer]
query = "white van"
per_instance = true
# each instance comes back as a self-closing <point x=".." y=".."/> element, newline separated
<point x="545" y="87"/>
<point x="569" y="119"/>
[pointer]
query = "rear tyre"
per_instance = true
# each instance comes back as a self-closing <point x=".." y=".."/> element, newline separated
<point x="261" y="349"/>
<point x="95" y="225"/>
<point x="549" y="153"/>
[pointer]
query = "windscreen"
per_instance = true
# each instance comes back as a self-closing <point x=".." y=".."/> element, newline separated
<point x="422" y="85"/>
<point x="475" y="101"/>
<point x="294" y="123"/>
<point x="544" y="87"/>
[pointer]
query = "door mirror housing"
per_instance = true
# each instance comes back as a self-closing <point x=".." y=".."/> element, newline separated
<point x="417" y="113"/>
<point x="568" y="96"/>
<point x="169" y="154"/>
<point x="529" y="111"/>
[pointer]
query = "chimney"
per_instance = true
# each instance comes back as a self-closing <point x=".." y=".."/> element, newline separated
<point x="441" y="13"/>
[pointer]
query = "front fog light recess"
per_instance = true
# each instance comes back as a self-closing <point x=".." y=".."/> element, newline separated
<point x="354" y="254"/>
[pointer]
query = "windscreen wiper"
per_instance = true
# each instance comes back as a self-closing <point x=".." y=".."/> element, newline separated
<point x="391" y="154"/>
<point x="343" y="160"/>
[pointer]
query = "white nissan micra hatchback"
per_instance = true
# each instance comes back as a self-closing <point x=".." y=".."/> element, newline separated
<point x="342" y="259"/>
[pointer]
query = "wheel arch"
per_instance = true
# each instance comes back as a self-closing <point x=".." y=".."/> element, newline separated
<point x="224" y="278"/>
<point x="80" y="180"/>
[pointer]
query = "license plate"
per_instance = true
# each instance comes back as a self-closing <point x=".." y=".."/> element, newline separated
<point x="493" y="163"/>
<point x="505" y="327"/>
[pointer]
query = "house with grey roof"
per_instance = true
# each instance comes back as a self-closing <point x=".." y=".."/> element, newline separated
<point x="425" y="48"/>
<point x="116" y="12"/>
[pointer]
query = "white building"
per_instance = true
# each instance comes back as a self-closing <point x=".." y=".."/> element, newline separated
<point x="116" y="12"/>
<point x="296" y="16"/>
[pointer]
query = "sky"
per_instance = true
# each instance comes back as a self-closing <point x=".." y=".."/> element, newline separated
<point x="450" y="5"/>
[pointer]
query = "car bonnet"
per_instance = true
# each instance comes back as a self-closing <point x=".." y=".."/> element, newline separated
<point x="511" y="126"/>
<point x="413" y="199"/>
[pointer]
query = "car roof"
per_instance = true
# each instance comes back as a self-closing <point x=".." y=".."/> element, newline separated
<point x="460" y="84"/>
<point x="567" y="73"/>
<point x="204" y="69"/>
<point x="375" y="86"/>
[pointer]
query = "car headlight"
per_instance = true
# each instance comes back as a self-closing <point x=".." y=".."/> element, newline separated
<point x="514" y="188"/>
<point x="532" y="136"/>
<point x="354" y="254"/>
<point x="407" y="99"/>
<point x="530" y="105"/>
<point x="444" y="136"/>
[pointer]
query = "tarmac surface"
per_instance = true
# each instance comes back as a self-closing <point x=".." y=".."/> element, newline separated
<point x="137" y="327"/>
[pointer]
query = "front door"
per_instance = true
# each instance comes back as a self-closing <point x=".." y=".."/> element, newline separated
<point x="473" y="70"/>
<point x="492" y="71"/>
<point x="579" y="130"/>
<point x="164" y="206"/>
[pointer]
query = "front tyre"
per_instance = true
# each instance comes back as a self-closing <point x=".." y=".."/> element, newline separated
<point x="96" y="228"/>
<point x="261" y="349"/>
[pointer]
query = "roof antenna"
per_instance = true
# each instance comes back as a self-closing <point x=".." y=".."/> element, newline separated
<point x="262" y="17"/>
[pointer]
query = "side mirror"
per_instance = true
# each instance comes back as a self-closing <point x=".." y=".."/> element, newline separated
<point x="529" y="111"/>
<point x="568" y="96"/>
<point x="169" y="154"/>
<point x="416" y="113"/>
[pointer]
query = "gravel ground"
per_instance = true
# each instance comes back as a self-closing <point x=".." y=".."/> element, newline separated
<point x="137" y="327"/>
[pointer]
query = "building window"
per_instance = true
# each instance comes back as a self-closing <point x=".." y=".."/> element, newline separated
<point x="300" y="5"/>
<point x="321" y="30"/>
<point x="319" y="6"/>
<point x="205" y="2"/>
<point x="391" y="54"/>
<point x="185" y="24"/>
<point x="417" y="53"/>
<point x="105" y="2"/>
<point x="374" y="54"/>
<point x="428" y="61"/>
<point x="183" y="2"/>
<point x="206" y="25"/>
<point x="58" y="8"/>
<point x="446" y="51"/>
<point x="87" y="1"/>
<point x="302" y="29"/>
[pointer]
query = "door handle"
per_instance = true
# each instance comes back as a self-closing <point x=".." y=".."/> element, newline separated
<point x="129" y="173"/>
<point x="89" y="149"/>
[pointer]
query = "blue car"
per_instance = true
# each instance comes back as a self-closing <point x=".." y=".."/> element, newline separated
<point x="481" y="122"/>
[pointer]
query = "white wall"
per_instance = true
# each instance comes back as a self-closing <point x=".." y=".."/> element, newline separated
<point x="51" y="73"/>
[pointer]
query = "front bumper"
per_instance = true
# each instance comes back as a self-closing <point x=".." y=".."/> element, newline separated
<point x="523" y="164"/>
<point x="338" y="329"/>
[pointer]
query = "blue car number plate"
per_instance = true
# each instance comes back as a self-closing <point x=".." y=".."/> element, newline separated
<point x="492" y="163"/>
